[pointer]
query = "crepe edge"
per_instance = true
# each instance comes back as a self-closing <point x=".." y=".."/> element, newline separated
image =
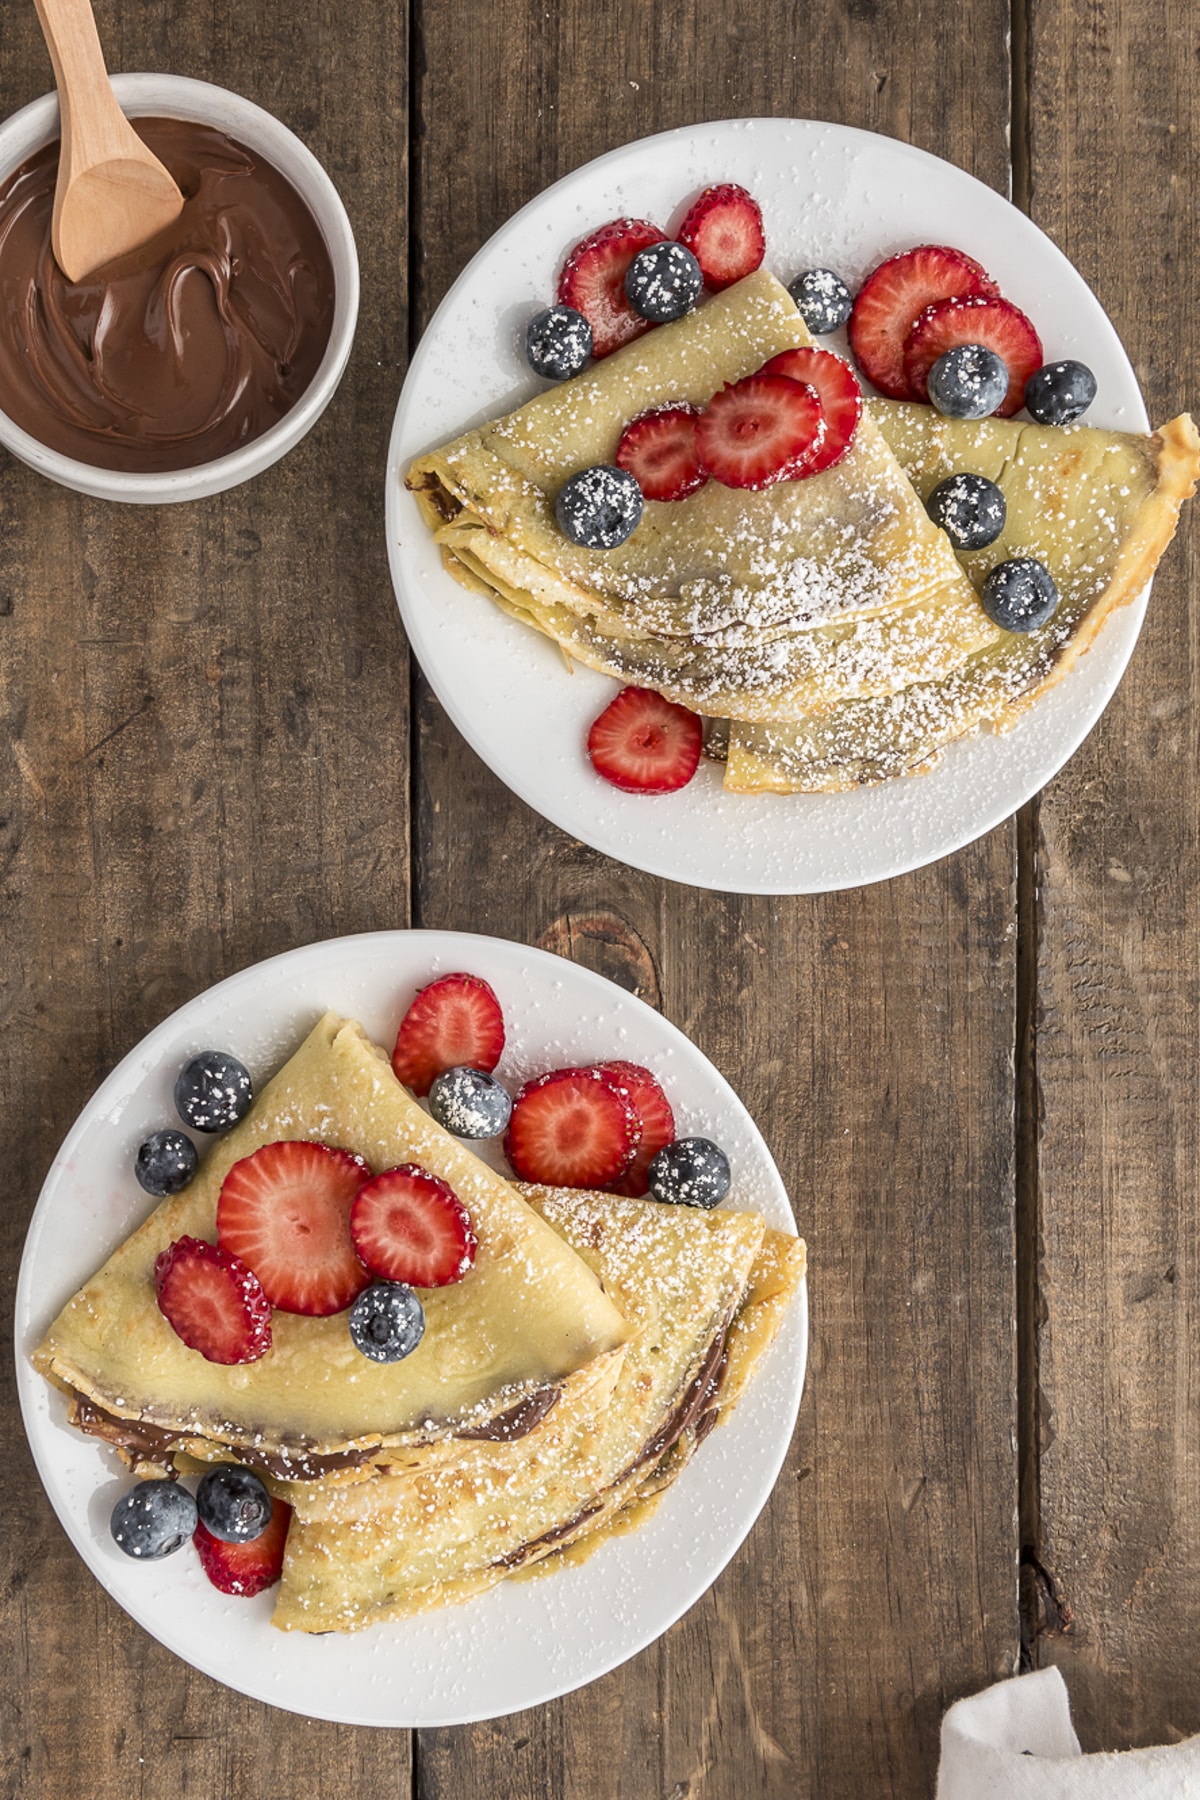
<point x="744" y="1335"/>
<point x="213" y="1438"/>
<point x="1179" y="473"/>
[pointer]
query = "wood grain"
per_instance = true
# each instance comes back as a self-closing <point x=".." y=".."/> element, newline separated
<point x="207" y="755"/>
<point x="203" y="728"/>
<point x="870" y="1034"/>
<point x="1113" y="154"/>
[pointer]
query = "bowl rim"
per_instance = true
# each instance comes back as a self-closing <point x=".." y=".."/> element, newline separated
<point x="141" y="95"/>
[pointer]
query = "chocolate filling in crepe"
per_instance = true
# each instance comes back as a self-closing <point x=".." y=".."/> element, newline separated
<point x="502" y="1347"/>
<point x="704" y="1294"/>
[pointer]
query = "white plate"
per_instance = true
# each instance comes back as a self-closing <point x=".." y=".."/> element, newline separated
<point x="525" y="1642"/>
<point x="830" y="195"/>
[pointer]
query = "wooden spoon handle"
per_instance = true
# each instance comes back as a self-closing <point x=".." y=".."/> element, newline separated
<point x="93" y="125"/>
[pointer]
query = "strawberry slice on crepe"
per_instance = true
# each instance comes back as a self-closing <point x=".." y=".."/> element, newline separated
<point x="836" y="387"/>
<point x="407" y="1225"/>
<point x="285" y="1211"/>
<point x="752" y="431"/>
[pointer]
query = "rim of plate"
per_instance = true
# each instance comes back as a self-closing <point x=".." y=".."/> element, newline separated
<point x="917" y="829"/>
<point x="781" y="1378"/>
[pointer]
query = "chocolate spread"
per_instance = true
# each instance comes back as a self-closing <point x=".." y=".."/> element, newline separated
<point x="183" y="350"/>
<point x="517" y="1422"/>
<point x="147" y="1443"/>
<point x="144" y="1442"/>
<point x="697" y="1408"/>
<point x="698" y="1397"/>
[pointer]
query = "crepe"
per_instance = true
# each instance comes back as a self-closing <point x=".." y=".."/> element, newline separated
<point x="528" y="1325"/>
<point x="777" y="1273"/>
<point x="1097" y="507"/>
<point x="756" y="606"/>
<point x="704" y="1292"/>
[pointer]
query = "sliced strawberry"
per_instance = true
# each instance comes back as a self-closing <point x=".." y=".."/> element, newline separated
<point x="645" y="744"/>
<point x="724" y="232"/>
<point x="659" y="448"/>
<point x="285" y="1211"/>
<point x="246" y="1568"/>
<point x="836" y="387"/>
<point x="213" y="1301"/>
<point x="653" y="1108"/>
<point x="892" y="299"/>
<point x="593" y="281"/>
<point x="754" y="429"/>
<point x="408" y="1225"/>
<point x="979" y="319"/>
<point x="453" y="1023"/>
<point x="572" y="1128"/>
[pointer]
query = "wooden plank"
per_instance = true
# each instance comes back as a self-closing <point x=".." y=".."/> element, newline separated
<point x="203" y="761"/>
<point x="870" y="1033"/>
<point x="1114" y="127"/>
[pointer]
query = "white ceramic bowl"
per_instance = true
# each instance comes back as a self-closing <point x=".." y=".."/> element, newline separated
<point x="177" y="97"/>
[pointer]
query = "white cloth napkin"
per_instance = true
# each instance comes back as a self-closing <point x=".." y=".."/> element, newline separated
<point x="1015" y="1741"/>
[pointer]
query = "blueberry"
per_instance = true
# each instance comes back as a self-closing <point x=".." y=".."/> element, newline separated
<point x="1057" y="393"/>
<point x="1019" y="595"/>
<point x="212" y="1091"/>
<point x="387" y="1321"/>
<point x="822" y="299"/>
<point x="663" y="282"/>
<point x="558" y="342"/>
<point x="233" y="1504"/>
<point x="970" y="509"/>
<point x="165" y="1163"/>
<point x="155" y="1519"/>
<point x="600" y="507"/>
<point x="968" y="382"/>
<point x="690" y="1172"/>
<point x="470" y="1103"/>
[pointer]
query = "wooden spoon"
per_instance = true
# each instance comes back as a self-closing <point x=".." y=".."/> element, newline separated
<point x="113" y="194"/>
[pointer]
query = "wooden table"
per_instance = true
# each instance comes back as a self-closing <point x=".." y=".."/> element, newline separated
<point x="980" y="1081"/>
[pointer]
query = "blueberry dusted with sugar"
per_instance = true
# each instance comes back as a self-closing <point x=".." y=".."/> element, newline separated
<point x="1058" y="393"/>
<point x="387" y="1321"/>
<point x="470" y="1103"/>
<point x="1019" y="595"/>
<point x="165" y="1163"/>
<point x="213" y="1091"/>
<point x="153" y="1520"/>
<point x="970" y="509"/>
<point x="822" y="299"/>
<point x="663" y="282"/>
<point x="689" y="1172"/>
<point x="233" y="1504"/>
<point x="600" y="507"/>
<point x="558" y="342"/>
<point x="968" y="381"/>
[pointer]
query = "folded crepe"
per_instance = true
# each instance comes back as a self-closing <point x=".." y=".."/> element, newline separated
<point x="1098" y="508"/>
<point x="756" y="606"/>
<point x="704" y="1293"/>
<point x="528" y="1327"/>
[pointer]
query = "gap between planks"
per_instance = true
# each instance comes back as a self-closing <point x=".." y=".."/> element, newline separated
<point x="1033" y="1580"/>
